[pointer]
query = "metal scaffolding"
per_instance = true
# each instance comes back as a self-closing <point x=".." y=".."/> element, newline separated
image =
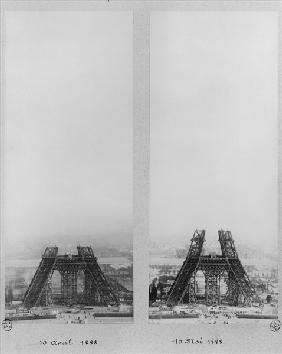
<point x="97" y="290"/>
<point x="215" y="268"/>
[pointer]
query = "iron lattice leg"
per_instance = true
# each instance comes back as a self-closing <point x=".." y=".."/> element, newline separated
<point x="212" y="288"/>
<point x="183" y="288"/>
<point x="38" y="290"/>
<point x="192" y="289"/>
<point x="69" y="286"/>
<point x="232" y="295"/>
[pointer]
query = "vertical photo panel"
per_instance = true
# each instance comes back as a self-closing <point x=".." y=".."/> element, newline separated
<point x="213" y="168"/>
<point x="67" y="167"/>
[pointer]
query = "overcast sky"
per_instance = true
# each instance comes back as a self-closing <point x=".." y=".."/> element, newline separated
<point x="214" y="126"/>
<point x="68" y="126"/>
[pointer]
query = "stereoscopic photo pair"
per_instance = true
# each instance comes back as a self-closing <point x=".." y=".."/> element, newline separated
<point x="134" y="147"/>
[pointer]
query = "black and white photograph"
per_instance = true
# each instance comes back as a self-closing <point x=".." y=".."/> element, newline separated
<point x="67" y="168"/>
<point x="140" y="176"/>
<point x="213" y="168"/>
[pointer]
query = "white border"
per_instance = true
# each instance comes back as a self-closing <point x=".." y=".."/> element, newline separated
<point x="142" y="337"/>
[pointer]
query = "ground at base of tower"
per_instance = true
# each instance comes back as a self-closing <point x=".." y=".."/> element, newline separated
<point x="209" y="313"/>
<point x="75" y="314"/>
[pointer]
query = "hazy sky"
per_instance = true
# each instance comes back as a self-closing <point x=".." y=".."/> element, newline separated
<point x="68" y="126"/>
<point x="214" y="126"/>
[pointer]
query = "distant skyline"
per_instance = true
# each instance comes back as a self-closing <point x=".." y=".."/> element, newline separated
<point x="214" y="121"/>
<point x="68" y="127"/>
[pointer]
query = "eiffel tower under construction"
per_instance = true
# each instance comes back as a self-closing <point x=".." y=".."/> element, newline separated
<point x="226" y="267"/>
<point x="97" y="290"/>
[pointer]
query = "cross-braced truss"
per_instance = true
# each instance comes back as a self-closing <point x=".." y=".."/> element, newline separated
<point x="215" y="268"/>
<point x="183" y="288"/>
<point x="97" y="290"/>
